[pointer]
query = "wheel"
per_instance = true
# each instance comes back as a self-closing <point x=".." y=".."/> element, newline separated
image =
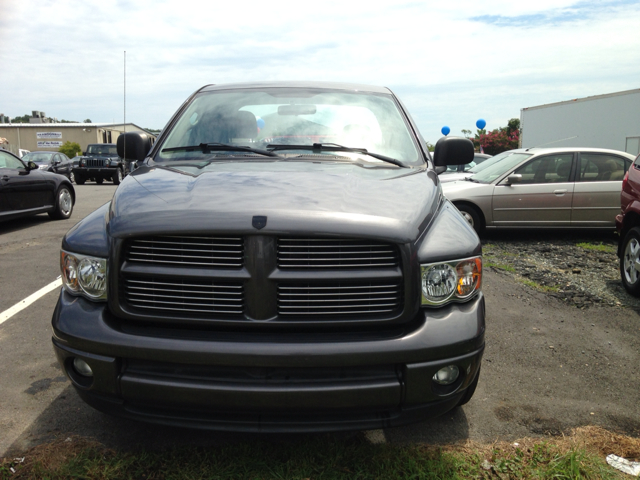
<point x="99" y="180"/>
<point x="80" y="180"/>
<point x="64" y="204"/>
<point x="630" y="262"/>
<point x="117" y="177"/>
<point x="473" y="216"/>
<point x="72" y="177"/>
<point x="471" y="389"/>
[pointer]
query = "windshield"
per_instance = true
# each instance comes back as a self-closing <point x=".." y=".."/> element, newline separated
<point x="287" y="117"/>
<point x="495" y="167"/>
<point x="102" y="150"/>
<point x="37" y="157"/>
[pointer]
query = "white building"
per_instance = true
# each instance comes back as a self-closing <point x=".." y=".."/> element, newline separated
<point x="602" y="121"/>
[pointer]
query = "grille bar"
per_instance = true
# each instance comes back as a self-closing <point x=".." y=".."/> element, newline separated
<point x="326" y="253"/>
<point x="196" y="251"/>
<point x="191" y="296"/>
<point x="334" y="300"/>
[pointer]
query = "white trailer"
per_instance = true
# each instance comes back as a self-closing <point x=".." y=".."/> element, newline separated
<point x="602" y="121"/>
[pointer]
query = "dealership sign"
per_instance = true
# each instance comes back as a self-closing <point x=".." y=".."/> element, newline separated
<point x="46" y="135"/>
<point x="49" y="144"/>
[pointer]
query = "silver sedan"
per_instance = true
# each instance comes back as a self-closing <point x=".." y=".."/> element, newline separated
<point x="544" y="187"/>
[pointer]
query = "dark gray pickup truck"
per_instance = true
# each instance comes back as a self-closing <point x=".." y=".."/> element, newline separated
<point x="282" y="259"/>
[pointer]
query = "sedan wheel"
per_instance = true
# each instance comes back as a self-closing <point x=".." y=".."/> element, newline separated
<point x="72" y="177"/>
<point x="630" y="262"/>
<point x="472" y="216"/>
<point x="64" y="204"/>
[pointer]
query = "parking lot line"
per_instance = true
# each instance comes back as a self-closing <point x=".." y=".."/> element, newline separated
<point x="10" y="312"/>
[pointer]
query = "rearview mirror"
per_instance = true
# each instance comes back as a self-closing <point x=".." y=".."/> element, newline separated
<point x="514" y="178"/>
<point x="135" y="145"/>
<point x="453" y="151"/>
<point x="296" y="109"/>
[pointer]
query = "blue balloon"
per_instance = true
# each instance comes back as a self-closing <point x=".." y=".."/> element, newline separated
<point x="445" y="130"/>
<point x="481" y="123"/>
<point x="260" y="123"/>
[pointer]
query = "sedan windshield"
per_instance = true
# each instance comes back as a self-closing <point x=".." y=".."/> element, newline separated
<point x="497" y="166"/>
<point x="37" y="157"/>
<point x="292" y="123"/>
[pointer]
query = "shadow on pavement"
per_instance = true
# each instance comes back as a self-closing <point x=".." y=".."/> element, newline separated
<point x="69" y="416"/>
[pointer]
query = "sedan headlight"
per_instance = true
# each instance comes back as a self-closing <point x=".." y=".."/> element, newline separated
<point x="84" y="275"/>
<point x="455" y="281"/>
<point x="42" y="166"/>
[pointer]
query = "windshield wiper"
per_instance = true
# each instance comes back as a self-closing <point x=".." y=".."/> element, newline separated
<point x="469" y="179"/>
<point x="220" y="147"/>
<point x="334" y="147"/>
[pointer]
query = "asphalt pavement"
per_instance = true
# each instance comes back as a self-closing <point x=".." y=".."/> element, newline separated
<point x="548" y="367"/>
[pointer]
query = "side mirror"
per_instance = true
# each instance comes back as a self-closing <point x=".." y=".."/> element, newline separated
<point x="134" y="146"/>
<point x="453" y="151"/>
<point x="441" y="169"/>
<point x="31" y="166"/>
<point x="514" y="178"/>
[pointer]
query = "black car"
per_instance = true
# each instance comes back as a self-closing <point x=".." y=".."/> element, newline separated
<point x="26" y="190"/>
<point x="100" y="162"/>
<point x="282" y="259"/>
<point x="55" y="162"/>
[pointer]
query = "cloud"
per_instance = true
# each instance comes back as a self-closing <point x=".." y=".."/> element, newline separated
<point x="450" y="62"/>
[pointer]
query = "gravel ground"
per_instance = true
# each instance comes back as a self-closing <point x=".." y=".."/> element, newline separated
<point x="577" y="267"/>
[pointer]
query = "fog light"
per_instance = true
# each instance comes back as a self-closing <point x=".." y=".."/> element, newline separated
<point x="446" y="375"/>
<point x="82" y="368"/>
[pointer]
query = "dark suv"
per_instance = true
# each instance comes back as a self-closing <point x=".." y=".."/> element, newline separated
<point x="100" y="162"/>
<point x="628" y="226"/>
<point x="282" y="259"/>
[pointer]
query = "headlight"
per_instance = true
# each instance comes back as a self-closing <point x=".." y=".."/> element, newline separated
<point x="84" y="275"/>
<point x="43" y="167"/>
<point x="455" y="281"/>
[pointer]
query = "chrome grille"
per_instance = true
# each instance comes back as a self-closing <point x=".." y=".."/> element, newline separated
<point x="184" y="296"/>
<point x="334" y="253"/>
<point x="221" y="252"/>
<point x="338" y="299"/>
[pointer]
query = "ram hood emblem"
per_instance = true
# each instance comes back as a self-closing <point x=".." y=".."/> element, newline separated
<point x="259" y="221"/>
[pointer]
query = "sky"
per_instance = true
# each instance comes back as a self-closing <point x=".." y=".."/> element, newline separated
<point x="450" y="62"/>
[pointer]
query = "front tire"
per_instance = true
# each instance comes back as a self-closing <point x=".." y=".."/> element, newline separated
<point x="117" y="177"/>
<point x="99" y="180"/>
<point x="473" y="217"/>
<point x="64" y="204"/>
<point x="630" y="262"/>
<point x="80" y="180"/>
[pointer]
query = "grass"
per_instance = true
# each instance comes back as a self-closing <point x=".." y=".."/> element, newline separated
<point x="598" y="247"/>
<point x="579" y="456"/>
<point x="537" y="286"/>
<point x="501" y="266"/>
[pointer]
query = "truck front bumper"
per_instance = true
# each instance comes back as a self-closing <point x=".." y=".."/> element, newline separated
<point x="269" y="382"/>
<point x="104" y="172"/>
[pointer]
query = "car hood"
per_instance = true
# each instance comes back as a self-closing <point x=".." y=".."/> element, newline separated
<point x="454" y="176"/>
<point x="298" y="198"/>
<point x="463" y="189"/>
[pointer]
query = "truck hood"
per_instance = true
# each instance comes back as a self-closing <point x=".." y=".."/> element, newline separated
<point x="297" y="197"/>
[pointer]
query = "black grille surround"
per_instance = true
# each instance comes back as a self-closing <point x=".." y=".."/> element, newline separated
<point x="259" y="280"/>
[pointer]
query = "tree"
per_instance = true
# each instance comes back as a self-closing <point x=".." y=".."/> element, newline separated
<point x="70" y="149"/>
<point x="87" y="120"/>
<point x="501" y="139"/>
